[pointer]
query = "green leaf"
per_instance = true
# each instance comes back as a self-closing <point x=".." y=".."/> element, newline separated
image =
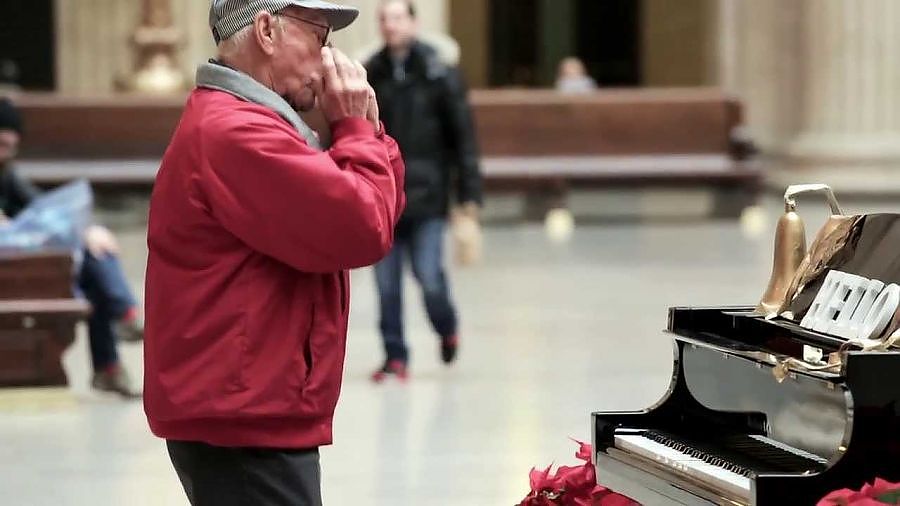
<point x="892" y="497"/>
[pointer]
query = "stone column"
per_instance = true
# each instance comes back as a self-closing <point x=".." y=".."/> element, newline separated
<point x="757" y="57"/>
<point x="722" y="54"/>
<point x="92" y="44"/>
<point x="851" y="84"/>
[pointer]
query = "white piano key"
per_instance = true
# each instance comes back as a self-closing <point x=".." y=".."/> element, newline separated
<point x="705" y="472"/>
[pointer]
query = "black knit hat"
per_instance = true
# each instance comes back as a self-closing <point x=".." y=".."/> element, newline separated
<point x="9" y="116"/>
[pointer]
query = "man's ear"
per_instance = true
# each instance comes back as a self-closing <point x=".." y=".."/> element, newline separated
<point x="265" y="26"/>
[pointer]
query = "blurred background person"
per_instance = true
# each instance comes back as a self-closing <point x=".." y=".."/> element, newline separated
<point x="424" y="106"/>
<point x="114" y="314"/>
<point x="9" y="78"/>
<point x="572" y="77"/>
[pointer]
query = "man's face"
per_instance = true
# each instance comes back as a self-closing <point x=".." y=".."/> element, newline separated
<point x="9" y="145"/>
<point x="298" y="54"/>
<point x="572" y="68"/>
<point x="398" y="27"/>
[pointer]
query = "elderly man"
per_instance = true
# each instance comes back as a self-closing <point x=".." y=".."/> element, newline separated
<point x="253" y="227"/>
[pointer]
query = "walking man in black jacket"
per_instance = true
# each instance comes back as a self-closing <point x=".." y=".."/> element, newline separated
<point x="424" y="107"/>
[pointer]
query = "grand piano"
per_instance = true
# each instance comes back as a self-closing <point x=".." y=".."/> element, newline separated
<point x="743" y="422"/>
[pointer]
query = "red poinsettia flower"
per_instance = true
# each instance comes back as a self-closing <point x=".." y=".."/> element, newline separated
<point x="584" y="451"/>
<point x="543" y="481"/>
<point x="572" y="486"/>
<point x="877" y="494"/>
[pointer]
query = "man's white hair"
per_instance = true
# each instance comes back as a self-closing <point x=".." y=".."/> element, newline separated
<point x="236" y="42"/>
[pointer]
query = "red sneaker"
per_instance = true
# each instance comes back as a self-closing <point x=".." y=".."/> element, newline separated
<point x="391" y="367"/>
<point x="449" y="347"/>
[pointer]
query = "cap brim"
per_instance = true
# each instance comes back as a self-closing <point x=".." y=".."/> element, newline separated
<point x="338" y="16"/>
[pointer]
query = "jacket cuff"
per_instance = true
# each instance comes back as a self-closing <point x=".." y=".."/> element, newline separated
<point x="352" y="126"/>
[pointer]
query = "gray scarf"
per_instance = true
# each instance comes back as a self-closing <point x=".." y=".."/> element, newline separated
<point x="219" y="77"/>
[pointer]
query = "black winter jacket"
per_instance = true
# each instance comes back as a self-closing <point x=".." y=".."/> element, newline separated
<point x="423" y="104"/>
<point x="15" y="192"/>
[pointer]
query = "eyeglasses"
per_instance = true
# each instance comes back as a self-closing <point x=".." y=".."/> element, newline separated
<point x="323" y="39"/>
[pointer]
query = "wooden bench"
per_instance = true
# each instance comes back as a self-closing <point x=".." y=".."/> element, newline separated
<point x="38" y="314"/>
<point x="546" y="143"/>
<point x="540" y="142"/>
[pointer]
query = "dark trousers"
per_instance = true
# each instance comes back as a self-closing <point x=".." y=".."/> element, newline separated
<point x="423" y="241"/>
<point x="102" y="282"/>
<point x="216" y="476"/>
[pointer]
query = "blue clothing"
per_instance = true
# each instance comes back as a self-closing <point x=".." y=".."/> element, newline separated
<point x="423" y="241"/>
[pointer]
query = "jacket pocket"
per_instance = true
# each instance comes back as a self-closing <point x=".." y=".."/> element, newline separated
<point x="277" y="357"/>
<point x="305" y="355"/>
<point x="326" y="345"/>
<point x="344" y="280"/>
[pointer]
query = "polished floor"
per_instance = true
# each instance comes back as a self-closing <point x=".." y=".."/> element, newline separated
<point x="550" y="332"/>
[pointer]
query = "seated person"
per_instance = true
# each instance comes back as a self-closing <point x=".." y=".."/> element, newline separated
<point x="572" y="77"/>
<point x="114" y="312"/>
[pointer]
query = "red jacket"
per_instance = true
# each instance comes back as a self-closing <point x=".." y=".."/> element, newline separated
<point x="251" y="235"/>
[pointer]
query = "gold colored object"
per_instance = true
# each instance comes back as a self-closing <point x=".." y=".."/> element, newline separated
<point x="781" y="371"/>
<point x="790" y="249"/>
<point x="837" y="215"/>
<point x="785" y="367"/>
<point x="829" y="240"/>
<point x="156" y="41"/>
<point x="790" y="245"/>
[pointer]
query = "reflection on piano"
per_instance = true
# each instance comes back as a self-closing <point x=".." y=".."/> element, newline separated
<point x="740" y="425"/>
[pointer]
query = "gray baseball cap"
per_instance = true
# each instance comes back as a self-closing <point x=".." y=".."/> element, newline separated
<point x="227" y="17"/>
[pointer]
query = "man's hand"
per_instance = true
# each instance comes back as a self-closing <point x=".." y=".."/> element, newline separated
<point x="100" y="241"/>
<point x="343" y="91"/>
<point x="372" y="115"/>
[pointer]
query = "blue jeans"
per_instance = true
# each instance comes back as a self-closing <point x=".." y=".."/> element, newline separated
<point x="102" y="281"/>
<point x="423" y="240"/>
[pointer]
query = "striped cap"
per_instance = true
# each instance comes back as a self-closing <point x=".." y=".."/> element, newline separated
<point x="227" y="17"/>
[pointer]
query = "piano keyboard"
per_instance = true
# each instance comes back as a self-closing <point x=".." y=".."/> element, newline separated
<point x="683" y="463"/>
<point x="724" y="464"/>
